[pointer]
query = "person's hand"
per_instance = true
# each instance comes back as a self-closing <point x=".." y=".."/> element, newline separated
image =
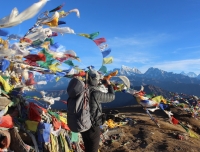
<point x="108" y="81"/>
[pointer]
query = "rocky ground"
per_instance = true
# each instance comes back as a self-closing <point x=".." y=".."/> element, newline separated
<point x="145" y="136"/>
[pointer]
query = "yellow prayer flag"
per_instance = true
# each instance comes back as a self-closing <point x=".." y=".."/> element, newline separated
<point x="31" y="125"/>
<point x="63" y="119"/>
<point x="193" y="134"/>
<point x="45" y="45"/>
<point x="53" y="143"/>
<point x="85" y="35"/>
<point x="108" y="60"/>
<point x="54" y="67"/>
<point x="4" y="43"/>
<point x="61" y="13"/>
<point x="58" y="78"/>
<point x="5" y="84"/>
<point x="121" y="86"/>
<point x="52" y="23"/>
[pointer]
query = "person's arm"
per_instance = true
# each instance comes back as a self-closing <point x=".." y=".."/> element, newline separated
<point x="106" y="97"/>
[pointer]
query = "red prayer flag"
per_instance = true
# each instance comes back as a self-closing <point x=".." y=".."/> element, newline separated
<point x="64" y="126"/>
<point x="31" y="63"/>
<point x="35" y="57"/>
<point x="81" y="74"/>
<point x="26" y="40"/>
<point x="62" y="59"/>
<point x="174" y="121"/>
<point x="56" y="123"/>
<point x="99" y="41"/>
<point x="31" y="80"/>
<point x="65" y="102"/>
<point x="35" y="112"/>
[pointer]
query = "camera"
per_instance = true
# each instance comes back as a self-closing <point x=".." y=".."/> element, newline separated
<point x="103" y="81"/>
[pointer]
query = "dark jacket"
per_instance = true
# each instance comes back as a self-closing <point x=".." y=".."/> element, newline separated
<point x="96" y="98"/>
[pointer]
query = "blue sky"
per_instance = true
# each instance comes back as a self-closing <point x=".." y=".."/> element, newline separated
<point x="163" y="34"/>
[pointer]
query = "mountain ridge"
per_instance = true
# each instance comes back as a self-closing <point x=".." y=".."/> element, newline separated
<point x="153" y="76"/>
<point x="132" y="71"/>
<point x="121" y="99"/>
<point x="167" y="80"/>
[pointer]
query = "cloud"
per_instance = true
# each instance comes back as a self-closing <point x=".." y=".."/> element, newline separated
<point x="133" y="59"/>
<point x="147" y="50"/>
<point x="188" y="48"/>
<point x="189" y="65"/>
<point x="139" y="40"/>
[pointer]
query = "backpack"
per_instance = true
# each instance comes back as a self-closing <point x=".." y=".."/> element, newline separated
<point x="78" y="110"/>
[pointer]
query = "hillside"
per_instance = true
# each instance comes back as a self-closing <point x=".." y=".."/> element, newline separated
<point x="121" y="99"/>
<point x="145" y="136"/>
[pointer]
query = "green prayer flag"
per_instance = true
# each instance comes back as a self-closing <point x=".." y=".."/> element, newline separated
<point x="50" y="40"/>
<point x="45" y="64"/>
<point x="184" y="127"/>
<point x="47" y="55"/>
<point x="103" y="69"/>
<point x="54" y="114"/>
<point x="93" y="35"/>
<point x="74" y="137"/>
<point x="69" y="62"/>
<point x="5" y="77"/>
<point x="37" y="43"/>
<point x="89" y="36"/>
<point x="49" y="59"/>
<point x="149" y="95"/>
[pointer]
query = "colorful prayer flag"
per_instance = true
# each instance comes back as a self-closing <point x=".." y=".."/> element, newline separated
<point x="103" y="69"/>
<point x="174" y="120"/>
<point x="57" y="8"/>
<point x="54" y="67"/>
<point x="84" y="35"/>
<point x="99" y="41"/>
<point x="69" y="62"/>
<point x="193" y="134"/>
<point x="89" y="36"/>
<point x="58" y="78"/>
<point x="103" y="46"/>
<point x="3" y="33"/>
<point x="106" y="53"/>
<point x="93" y="35"/>
<point x="108" y="60"/>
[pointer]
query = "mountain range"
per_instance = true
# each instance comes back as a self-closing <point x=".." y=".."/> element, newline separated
<point x="128" y="71"/>
<point x="180" y="83"/>
<point x="190" y="74"/>
<point x="154" y="81"/>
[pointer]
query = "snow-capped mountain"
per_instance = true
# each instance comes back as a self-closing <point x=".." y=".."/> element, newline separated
<point x="157" y="73"/>
<point x="167" y="80"/>
<point x="183" y="73"/>
<point x="127" y="71"/>
<point x="153" y="76"/>
<point x="189" y="74"/>
<point x="153" y="73"/>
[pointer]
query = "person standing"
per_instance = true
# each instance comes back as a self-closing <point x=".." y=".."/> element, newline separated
<point x="91" y="137"/>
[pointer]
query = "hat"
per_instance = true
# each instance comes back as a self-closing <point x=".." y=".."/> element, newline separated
<point x="93" y="77"/>
<point x="94" y="74"/>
